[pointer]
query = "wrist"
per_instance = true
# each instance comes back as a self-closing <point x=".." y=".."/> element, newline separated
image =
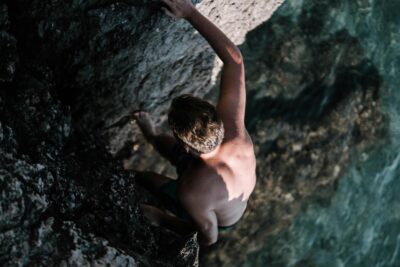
<point x="190" y="13"/>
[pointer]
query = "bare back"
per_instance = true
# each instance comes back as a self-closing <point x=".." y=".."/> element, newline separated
<point x="224" y="182"/>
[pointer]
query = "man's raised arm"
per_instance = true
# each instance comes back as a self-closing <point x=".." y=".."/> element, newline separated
<point x="232" y="98"/>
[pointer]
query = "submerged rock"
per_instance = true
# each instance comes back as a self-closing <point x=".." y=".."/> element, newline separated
<point x="315" y="88"/>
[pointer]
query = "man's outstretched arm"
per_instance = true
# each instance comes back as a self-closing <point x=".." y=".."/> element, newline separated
<point x="232" y="99"/>
<point x="163" y="143"/>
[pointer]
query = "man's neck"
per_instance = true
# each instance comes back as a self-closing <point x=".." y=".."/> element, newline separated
<point x="211" y="154"/>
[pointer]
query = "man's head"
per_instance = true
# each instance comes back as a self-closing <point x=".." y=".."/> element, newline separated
<point x="196" y="123"/>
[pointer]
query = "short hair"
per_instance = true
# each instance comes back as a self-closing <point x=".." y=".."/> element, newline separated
<point x="196" y="123"/>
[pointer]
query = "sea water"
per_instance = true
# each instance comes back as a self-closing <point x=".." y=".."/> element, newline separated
<point x="360" y="225"/>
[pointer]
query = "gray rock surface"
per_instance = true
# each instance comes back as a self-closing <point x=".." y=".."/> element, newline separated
<point x="112" y="57"/>
<point x="8" y="47"/>
<point x="69" y="204"/>
<point x="67" y="72"/>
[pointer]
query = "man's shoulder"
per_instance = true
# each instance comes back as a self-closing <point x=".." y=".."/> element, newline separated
<point x="196" y="195"/>
<point x="241" y="145"/>
<point x="199" y="181"/>
<point x="242" y="139"/>
<point x="199" y="176"/>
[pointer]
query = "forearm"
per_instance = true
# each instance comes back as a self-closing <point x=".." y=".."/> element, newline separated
<point x="226" y="50"/>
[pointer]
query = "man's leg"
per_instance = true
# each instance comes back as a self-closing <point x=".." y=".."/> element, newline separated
<point x="152" y="181"/>
<point x="163" y="143"/>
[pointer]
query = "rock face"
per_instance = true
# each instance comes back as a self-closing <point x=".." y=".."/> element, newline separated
<point x="112" y="57"/>
<point x="64" y="200"/>
<point x="8" y="54"/>
<point x="67" y="72"/>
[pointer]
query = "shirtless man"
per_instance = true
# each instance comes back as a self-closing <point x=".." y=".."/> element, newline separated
<point x="217" y="174"/>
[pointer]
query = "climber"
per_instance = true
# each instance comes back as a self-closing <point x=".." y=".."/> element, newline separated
<point x="210" y="147"/>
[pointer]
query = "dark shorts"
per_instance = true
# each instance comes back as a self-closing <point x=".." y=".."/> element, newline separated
<point x="171" y="202"/>
<point x="169" y="189"/>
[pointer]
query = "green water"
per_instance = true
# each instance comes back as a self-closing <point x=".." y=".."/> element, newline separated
<point x="360" y="225"/>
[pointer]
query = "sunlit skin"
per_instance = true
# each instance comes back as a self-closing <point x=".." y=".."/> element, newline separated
<point x="215" y="187"/>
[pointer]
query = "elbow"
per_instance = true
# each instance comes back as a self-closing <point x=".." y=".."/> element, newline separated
<point x="236" y="57"/>
<point x="208" y="238"/>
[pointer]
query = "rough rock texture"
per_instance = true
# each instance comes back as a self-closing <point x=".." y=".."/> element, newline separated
<point x="112" y="57"/>
<point x="314" y="100"/>
<point x="68" y="202"/>
<point x="64" y="200"/>
<point x="8" y="48"/>
<point x="67" y="72"/>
